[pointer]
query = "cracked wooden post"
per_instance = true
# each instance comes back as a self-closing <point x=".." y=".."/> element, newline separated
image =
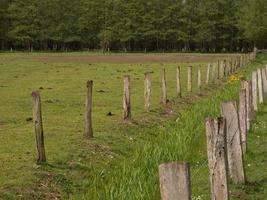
<point x="243" y="119"/>
<point x="208" y="74"/>
<point x="189" y="79"/>
<point x="178" y="82"/>
<point x="247" y="85"/>
<point x="38" y="127"/>
<point x="126" y="98"/>
<point x="199" y="77"/>
<point x="216" y="149"/>
<point x="234" y="148"/>
<point x="164" y="89"/>
<point x="264" y="81"/>
<point x="260" y="90"/>
<point x="175" y="181"/>
<point x="254" y="91"/>
<point x="88" y="110"/>
<point x="147" y="92"/>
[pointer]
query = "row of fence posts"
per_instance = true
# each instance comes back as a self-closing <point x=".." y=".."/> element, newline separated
<point x="226" y="145"/>
<point x="233" y="65"/>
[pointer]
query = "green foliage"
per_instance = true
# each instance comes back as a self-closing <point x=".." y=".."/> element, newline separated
<point x="204" y="25"/>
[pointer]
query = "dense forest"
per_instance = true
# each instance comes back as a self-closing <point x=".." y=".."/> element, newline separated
<point x="133" y="25"/>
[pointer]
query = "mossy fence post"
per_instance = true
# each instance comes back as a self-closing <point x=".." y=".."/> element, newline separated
<point x="216" y="149"/>
<point x="233" y="136"/>
<point x="38" y="126"/>
<point x="147" y="92"/>
<point x="126" y="98"/>
<point x="175" y="181"/>
<point x="88" y="133"/>
<point x="178" y="82"/>
<point x="164" y="89"/>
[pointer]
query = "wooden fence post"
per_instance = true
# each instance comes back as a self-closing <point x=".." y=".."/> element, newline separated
<point x="216" y="149"/>
<point x="164" y="89"/>
<point x="147" y="92"/>
<point x="208" y="74"/>
<point x="178" y="82"/>
<point x="88" y="110"/>
<point x="243" y="119"/>
<point x="215" y="72"/>
<point x="126" y="98"/>
<point x="264" y="81"/>
<point x="254" y="91"/>
<point x="189" y="79"/>
<point x="260" y="86"/>
<point x="175" y="181"/>
<point x="38" y="126"/>
<point x="234" y="148"/>
<point x="247" y="85"/>
<point x="199" y="77"/>
<point x="221" y="69"/>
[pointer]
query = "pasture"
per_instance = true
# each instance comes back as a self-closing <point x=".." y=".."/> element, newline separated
<point x="121" y="161"/>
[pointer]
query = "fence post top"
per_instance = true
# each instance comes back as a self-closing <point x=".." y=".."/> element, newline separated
<point x="174" y="163"/>
<point x="89" y="82"/>
<point x="35" y="94"/>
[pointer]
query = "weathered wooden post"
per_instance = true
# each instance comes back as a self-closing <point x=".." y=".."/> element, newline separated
<point x="164" y="89"/>
<point x="231" y="66"/>
<point x="189" y="79"/>
<point x="260" y="86"/>
<point x="247" y="85"/>
<point x="254" y="91"/>
<point x="147" y="92"/>
<point x="126" y="98"/>
<point x="88" y="110"/>
<point x="208" y="74"/>
<point x="38" y="126"/>
<point x="234" y="148"/>
<point x="216" y="148"/>
<point x="175" y="181"/>
<point x="243" y="119"/>
<point x="264" y="81"/>
<point x="178" y="82"/>
<point x="199" y="77"/>
<point x="215" y="72"/>
<point x="221" y="70"/>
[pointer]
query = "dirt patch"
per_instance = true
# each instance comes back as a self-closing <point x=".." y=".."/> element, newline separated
<point x="135" y="58"/>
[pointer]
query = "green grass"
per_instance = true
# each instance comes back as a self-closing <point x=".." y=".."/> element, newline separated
<point x="121" y="162"/>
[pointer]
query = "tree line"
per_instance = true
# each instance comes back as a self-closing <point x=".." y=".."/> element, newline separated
<point x="133" y="25"/>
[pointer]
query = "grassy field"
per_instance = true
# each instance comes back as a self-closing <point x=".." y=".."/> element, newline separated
<point x="121" y="162"/>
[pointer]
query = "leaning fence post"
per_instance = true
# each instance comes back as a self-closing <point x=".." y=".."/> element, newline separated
<point x="254" y="91"/>
<point x="178" y="82"/>
<point x="164" y="90"/>
<point x="38" y="126"/>
<point x="147" y="92"/>
<point x="243" y="119"/>
<point x="234" y="148"/>
<point x="189" y="79"/>
<point x="175" y="181"/>
<point x="88" y="110"/>
<point x="216" y="149"/>
<point x="260" y="86"/>
<point x="199" y="77"/>
<point x="126" y="98"/>
<point x="208" y="74"/>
